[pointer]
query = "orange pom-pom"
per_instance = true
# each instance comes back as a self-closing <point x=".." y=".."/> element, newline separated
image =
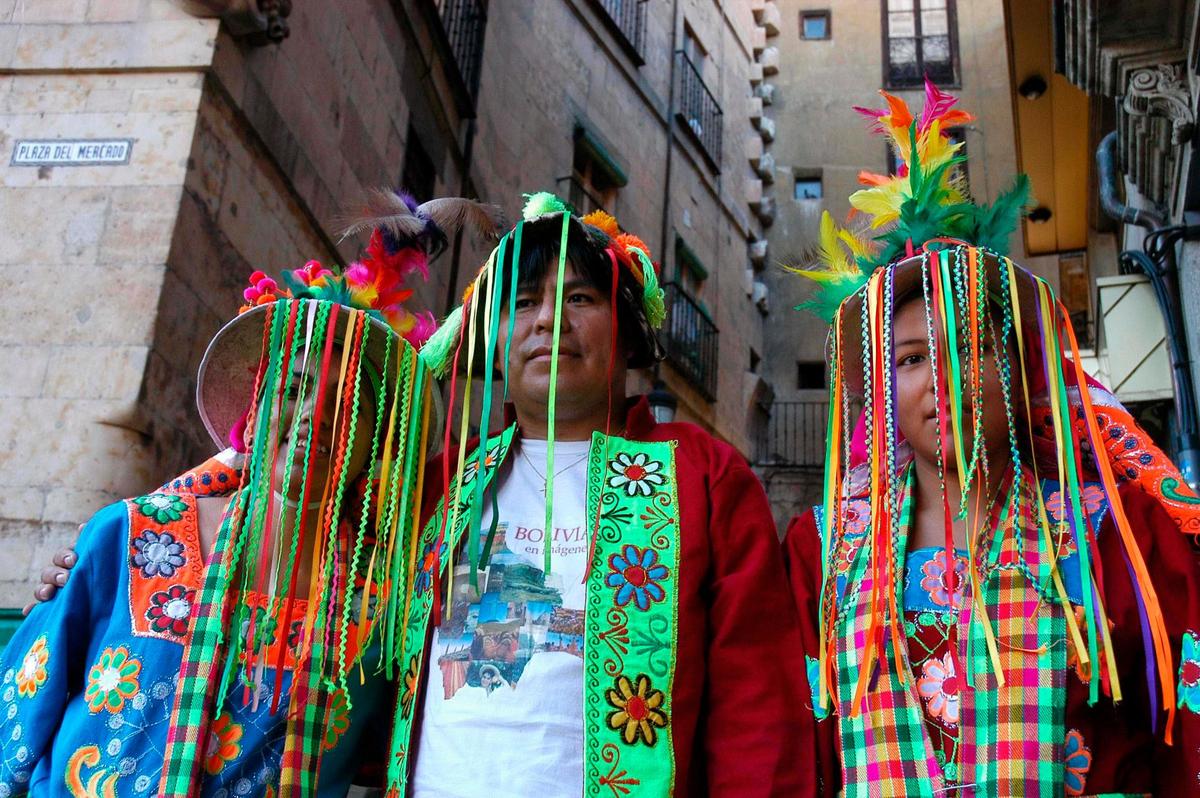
<point x="628" y="240"/>
<point x="603" y="221"/>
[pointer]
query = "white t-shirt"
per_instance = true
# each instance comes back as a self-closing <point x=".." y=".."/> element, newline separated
<point x="504" y="691"/>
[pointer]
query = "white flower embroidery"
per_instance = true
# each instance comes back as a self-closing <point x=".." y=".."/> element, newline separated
<point x="637" y="474"/>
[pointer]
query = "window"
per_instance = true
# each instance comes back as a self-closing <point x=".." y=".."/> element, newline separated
<point x="595" y="175"/>
<point x="808" y="188"/>
<point x="689" y="271"/>
<point x="810" y="375"/>
<point x="814" y="24"/>
<point x="418" y="175"/>
<point x="693" y="49"/>
<point x="920" y="38"/>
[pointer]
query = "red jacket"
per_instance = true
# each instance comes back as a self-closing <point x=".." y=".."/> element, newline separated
<point x="739" y="725"/>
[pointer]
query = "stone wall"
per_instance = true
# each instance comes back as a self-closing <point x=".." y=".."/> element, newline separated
<point x="245" y="157"/>
<point x="83" y="252"/>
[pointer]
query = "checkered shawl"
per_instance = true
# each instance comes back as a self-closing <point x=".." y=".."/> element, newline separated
<point x="187" y="734"/>
<point x="1010" y="734"/>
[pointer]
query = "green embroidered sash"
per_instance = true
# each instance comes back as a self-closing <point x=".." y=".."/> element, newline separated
<point x="421" y="583"/>
<point x="632" y="619"/>
<point x="631" y="615"/>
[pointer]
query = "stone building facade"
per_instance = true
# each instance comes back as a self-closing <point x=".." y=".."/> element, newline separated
<point x="834" y="54"/>
<point x="249" y="124"/>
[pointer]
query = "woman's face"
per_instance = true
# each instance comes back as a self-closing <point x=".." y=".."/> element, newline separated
<point x="915" y="399"/>
<point x="323" y="445"/>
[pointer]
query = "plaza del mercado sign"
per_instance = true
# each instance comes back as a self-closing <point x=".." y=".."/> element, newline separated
<point x="71" y="152"/>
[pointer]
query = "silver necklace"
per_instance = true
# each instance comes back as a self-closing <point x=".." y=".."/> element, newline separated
<point x="545" y="482"/>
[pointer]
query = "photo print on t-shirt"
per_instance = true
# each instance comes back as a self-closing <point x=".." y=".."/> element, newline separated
<point x="492" y="633"/>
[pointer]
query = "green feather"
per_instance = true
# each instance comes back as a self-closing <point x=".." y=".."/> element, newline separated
<point x="994" y="224"/>
<point x="542" y="203"/>
<point x="438" y="351"/>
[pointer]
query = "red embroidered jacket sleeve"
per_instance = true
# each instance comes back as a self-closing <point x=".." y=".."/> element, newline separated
<point x="802" y="558"/>
<point x="1172" y="564"/>
<point x="756" y="732"/>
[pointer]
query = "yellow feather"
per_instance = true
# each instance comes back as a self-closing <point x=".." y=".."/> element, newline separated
<point x="881" y="202"/>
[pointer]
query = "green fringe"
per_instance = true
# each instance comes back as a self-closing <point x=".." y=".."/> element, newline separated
<point x="653" y="298"/>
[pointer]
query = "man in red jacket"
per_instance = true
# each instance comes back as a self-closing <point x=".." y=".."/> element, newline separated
<point x="654" y="649"/>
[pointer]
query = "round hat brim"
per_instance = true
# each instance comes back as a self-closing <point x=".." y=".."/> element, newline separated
<point x="907" y="278"/>
<point x="225" y="381"/>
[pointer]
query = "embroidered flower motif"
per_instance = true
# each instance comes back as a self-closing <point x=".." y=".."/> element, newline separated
<point x="637" y="474"/>
<point x="939" y="687"/>
<point x="338" y="722"/>
<point x="1189" y="672"/>
<point x="162" y="507"/>
<point x="170" y="610"/>
<point x="296" y="635"/>
<point x="112" y="680"/>
<point x="1091" y="500"/>
<point x="846" y="554"/>
<point x="1077" y="761"/>
<point x="856" y="514"/>
<point x="945" y="587"/>
<point x="264" y="627"/>
<point x="812" y="667"/>
<point x="637" y="709"/>
<point x="429" y="564"/>
<point x="224" y="743"/>
<point x="472" y="467"/>
<point x="635" y="573"/>
<point x="158" y="554"/>
<point x="32" y="673"/>
<point x="411" y="676"/>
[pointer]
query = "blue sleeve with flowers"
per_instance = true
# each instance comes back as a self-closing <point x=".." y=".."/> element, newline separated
<point x="42" y="667"/>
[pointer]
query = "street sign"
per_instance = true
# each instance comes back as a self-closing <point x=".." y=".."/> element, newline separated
<point x="71" y="152"/>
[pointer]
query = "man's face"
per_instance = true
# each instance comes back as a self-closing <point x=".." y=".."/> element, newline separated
<point x="323" y="444"/>
<point x="915" y="400"/>
<point x="585" y="344"/>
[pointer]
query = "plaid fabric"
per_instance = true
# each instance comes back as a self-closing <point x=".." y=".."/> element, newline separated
<point x="885" y="749"/>
<point x="416" y="632"/>
<point x="1015" y="731"/>
<point x="187" y="732"/>
<point x="1010" y="735"/>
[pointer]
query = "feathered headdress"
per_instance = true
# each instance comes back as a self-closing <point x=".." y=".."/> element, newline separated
<point x="405" y="235"/>
<point x="924" y="200"/>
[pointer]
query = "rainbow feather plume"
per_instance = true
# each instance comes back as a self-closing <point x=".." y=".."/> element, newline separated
<point x="838" y="270"/>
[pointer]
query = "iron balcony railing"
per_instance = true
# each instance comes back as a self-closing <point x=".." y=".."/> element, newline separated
<point x="627" y="18"/>
<point x="463" y="24"/>
<point x="690" y="340"/>
<point x="698" y="109"/>
<point x="795" y="435"/>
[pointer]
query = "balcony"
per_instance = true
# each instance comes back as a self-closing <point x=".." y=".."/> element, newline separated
<point x="627" y="19"/>
<point x="462" y="24"/>
<point x="690" y="340"/>
<point x="795" y="435"/>
<point x="698" y="109"/>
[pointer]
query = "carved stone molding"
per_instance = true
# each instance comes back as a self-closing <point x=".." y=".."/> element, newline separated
<point x="257" y="22"/>
<point x="1162" y="91"/>
<point x="1155" y="120"/>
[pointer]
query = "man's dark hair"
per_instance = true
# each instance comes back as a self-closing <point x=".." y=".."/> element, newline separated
<point x="586" y="252"/>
